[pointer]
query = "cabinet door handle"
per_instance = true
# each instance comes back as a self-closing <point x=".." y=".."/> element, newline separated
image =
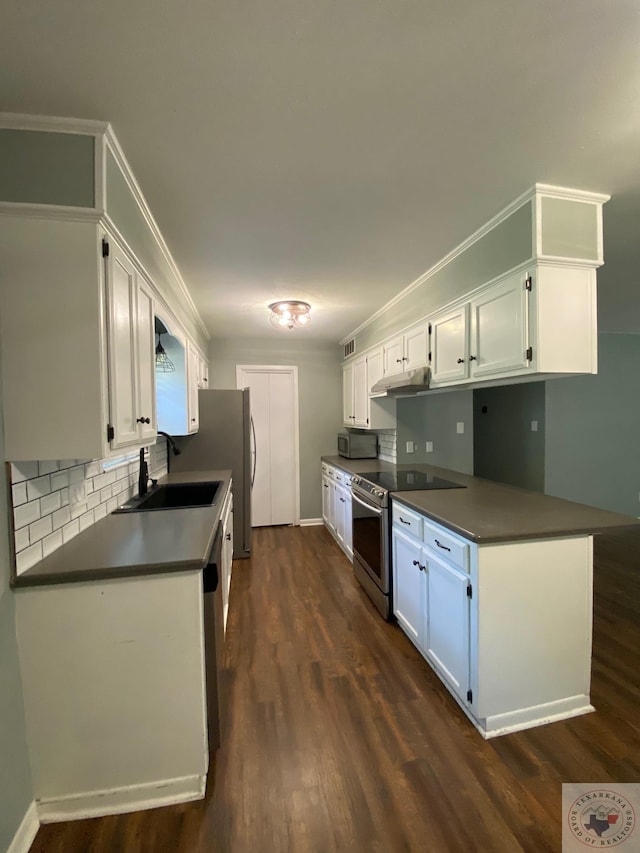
<point x="472" y="358"/>
<point x="228" y="537"/>
<point x="440" y="545"/>
<point x="325" y="485"/>
<point x="341" y="500"/>
<point x="403" y="521"/>
<point x="398" y="361"/>
<point x="193" y="420"/>
<point x="461" y="361"/>
<point x="143" y="420"/>
<point x="422" y="568"/>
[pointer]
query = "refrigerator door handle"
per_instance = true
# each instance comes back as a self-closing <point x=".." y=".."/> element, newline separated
<point x="255" y="452"/>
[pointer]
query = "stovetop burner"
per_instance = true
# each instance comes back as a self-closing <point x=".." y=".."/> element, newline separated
<point x="407" y="481"/>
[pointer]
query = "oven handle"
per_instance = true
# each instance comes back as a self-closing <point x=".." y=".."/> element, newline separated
<point x="375" y="509"/>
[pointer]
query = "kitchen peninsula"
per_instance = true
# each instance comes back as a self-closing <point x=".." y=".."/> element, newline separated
<point x="493" y="585"/>
<point x="111" y="629"/>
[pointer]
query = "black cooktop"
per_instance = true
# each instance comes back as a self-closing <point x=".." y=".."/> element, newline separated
<point x="408" y="481"/>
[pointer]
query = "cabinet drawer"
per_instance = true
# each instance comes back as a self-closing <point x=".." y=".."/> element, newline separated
<point x="342" y="477"/>
<point x="407" y="520"/>
<point x="446" y="546"/>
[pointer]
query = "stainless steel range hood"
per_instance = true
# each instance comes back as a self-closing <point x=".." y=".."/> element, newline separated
<point x="409" y="382"/>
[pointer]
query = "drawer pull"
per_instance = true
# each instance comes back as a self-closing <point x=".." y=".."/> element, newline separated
<point x="422" y="568"/>
<point x="440" y="545"/>
<point x="403" y="521"/>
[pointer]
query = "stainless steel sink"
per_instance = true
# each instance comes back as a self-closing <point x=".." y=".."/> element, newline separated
<point x="174" y="496"/>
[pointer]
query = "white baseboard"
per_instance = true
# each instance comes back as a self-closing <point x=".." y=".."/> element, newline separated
<point x="26" y="832"/>
<point x="537" y="715"/>
<point x="133" y="798"/>
<point x="310" y="522"/>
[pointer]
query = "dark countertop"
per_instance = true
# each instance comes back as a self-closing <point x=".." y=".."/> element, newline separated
<point x="136" y="543"/>
<point x="491" y="512"/>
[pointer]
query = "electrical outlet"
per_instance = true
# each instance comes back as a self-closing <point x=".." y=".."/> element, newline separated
<point x="460" y="427"/>
<point x="534" y="426"/>
<point x="77" y="493"/>
<point x="410" y="447"/>
<point x="429" y="447"/>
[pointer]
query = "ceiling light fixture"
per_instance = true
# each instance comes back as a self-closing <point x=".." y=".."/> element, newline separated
<point x="290" y="313"/>
<point x="163" y="362"/>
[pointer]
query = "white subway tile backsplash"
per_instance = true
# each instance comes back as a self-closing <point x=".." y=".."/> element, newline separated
<point x="48" y="467"/>
<point x="61" y="517"/>
<point x="59" y="480"/>
<point x="26" y="514"/>
<point x="50" y="503"/>
<point x="19" y="494"/>
<point x="39" y="529"/>
<point x="43" y="518"/>
<point x="86" y="520"/>
<point x="21" y="539"/>
<point x="51" y="543"/>
<point x="29" y="557"/>
<point x="23" y="471"/>
<point x="70" y="530"/>
<point x="38" y="487"/>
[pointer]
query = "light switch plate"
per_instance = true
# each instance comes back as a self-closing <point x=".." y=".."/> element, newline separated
<point x="410" y="447"/>
<point x="534" y="426"/>
<point x="429" y="447"/>
<point x="460" y="427"/>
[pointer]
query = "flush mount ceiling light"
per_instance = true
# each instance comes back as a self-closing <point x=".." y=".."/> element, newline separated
<point x="290" y="313"/>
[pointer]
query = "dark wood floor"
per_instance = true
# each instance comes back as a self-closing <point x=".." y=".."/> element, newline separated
<point x="339" y="736"/>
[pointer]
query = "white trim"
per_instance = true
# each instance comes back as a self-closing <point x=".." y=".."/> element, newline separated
<point x="530" y="195"/>
<point x="50" y="211"/>
<point x="311" y="522"/>
<point x="52" y="124"/>
<point x="134" y="187"/>
<point x="293" y="370"/>
<point x="99" y="174"/>
<point x="131" y="798"/>
<point x="26" y="832"/>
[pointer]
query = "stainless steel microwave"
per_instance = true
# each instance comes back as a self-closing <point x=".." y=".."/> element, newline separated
<point x="358" y="445"/>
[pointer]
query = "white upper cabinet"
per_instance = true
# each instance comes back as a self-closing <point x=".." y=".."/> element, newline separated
<point x="499" y="328"/>
<point x="193" y="367"/>
<point x="130" y="337"/>
<point x="406" y="351"/>
<point x="360" y="393"/>
<point x="348" y="409"/>
<point x="361" y="410"/>
<point x="450" y="345"/>
<point x="375" y="367"/>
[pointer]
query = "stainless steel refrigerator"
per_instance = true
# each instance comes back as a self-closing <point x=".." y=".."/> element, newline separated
<point x="224" y="440"/>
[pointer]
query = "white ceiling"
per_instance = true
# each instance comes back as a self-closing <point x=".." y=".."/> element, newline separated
<point x="333" y="151"/>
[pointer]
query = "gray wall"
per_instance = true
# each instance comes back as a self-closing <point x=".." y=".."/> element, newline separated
<point x="319" y="390"/>
<point x="593" y="430"/>
<point x="504" y="447"/>
<point x="16" y="792"/>
<point x="433" y="417"/>
<point x="38" y="167"/>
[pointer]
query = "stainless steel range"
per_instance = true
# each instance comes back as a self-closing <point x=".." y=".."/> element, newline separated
<point x="372" y="527"/>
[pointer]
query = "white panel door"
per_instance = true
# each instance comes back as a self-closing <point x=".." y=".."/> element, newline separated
<point x="449" y="346"/>
<point x="409" y="586"/>
<point x="274" y="409"/>
<point x="447" y="622"/>
<point x="499" y="328"/>
<point x="121" y="294"/>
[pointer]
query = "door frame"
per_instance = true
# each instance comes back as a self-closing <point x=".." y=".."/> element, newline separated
<point x="291" y="369"/>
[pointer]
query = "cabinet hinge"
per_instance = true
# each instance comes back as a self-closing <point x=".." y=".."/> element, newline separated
<point x="469" y="591"/>
<point x="105" y="248"/>
<point x="110" y="433"/>
<point x="528" y="283"/>
<point x="469" y="695"/>
<point x="529" y="353"/>
<point x="429" y="356"/>
<point x="429" y="328"/>
<point x="367" y="420"/>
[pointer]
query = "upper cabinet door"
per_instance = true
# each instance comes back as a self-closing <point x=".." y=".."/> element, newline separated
<point x="394" y="356"/>
<point x="416" y="347"/>
<point x="360" y="393"/>
<point x="193" y="364"/>
<point x="146" y="367"/>
<point x="347" y="394"/>
<point x="449" y="345"/>
<point x="375" y="368"/>
<point x="499" y="328"/>
<point x="121" y="295"/>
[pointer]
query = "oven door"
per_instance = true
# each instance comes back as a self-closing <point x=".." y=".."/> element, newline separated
<point x="371" y="540"/>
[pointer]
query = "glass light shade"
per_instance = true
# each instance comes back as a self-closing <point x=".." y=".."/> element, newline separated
<point x="290" y="313"/>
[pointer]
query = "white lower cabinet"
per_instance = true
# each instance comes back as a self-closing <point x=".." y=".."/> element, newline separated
<point x="336" y="506"/>
<point x="511" y="653"/>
